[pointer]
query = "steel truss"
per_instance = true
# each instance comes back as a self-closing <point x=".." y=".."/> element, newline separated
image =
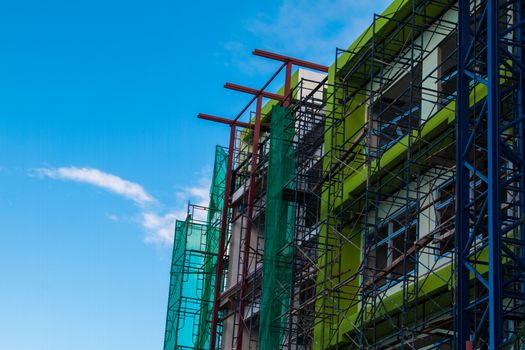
<point x="491" y="175"/>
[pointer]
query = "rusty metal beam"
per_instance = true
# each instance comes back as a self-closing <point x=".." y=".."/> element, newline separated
<point x="232" y="122"/>
<point x="254" y="92"/>
<point x="226" y="121"/>
<point x="294" y="61"/>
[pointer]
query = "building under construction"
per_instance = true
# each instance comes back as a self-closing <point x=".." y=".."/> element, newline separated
<point x="374" y="204"/>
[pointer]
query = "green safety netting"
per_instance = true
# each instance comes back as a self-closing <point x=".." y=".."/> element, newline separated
<point x="175" y="292"/>
<point x="192" y="280"/>
<point x="279" y="231"/>
<point x="212" y="242"/>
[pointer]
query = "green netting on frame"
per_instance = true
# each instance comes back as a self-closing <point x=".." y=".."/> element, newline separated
<point x="279" y="232"/>
<point x="175" y="291"/>
<point x="192" y="279"/>
<point x="212" y="241"/>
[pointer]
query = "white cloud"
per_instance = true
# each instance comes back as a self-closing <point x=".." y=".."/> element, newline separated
<point x="160" y="227"/>
<point x="312" y="29"/>
<point x="113" y="217"/>
<point x="157" y="222"/>
<point x="199" y="194"/>
<point x="95" y="177"/>
<point x="306" y="29"/>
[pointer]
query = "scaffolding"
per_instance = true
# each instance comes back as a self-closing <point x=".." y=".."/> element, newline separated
<point x="186" y="293"/>
<point x="255" y="171"/>
<point x="406" y="153"/>
<point x="194" y="260"/>
<point x="380" y="206"/>
<point x="491" y="175"/>
<point x="279" y="203"/>
<point x="374" y="162"/>
<point x="344" y="159"/>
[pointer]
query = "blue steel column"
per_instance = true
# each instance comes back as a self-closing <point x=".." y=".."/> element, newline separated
<point x="490" y="229"/>
<point x="494" y="171"/>
<point x="478" y="319"/>
<point x="520" y="17"/>
<point x="462" y="317"/>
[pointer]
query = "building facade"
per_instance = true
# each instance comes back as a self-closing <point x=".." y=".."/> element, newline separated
<point x="377" y="204"/>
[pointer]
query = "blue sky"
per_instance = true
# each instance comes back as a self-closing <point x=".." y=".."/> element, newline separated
<point x="100" y="149"/>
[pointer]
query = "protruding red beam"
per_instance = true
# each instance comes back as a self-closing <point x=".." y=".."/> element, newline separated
<point x="286" y="59"/>
<point x="263" y="88"/>
<point x="254" y="92"/>
<point x="231" y="122"/>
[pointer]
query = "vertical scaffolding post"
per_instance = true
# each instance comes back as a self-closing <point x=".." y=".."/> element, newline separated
<point x="287" y="84"/>
<point x="462" y="319"/>
<point x="495" y="304"/>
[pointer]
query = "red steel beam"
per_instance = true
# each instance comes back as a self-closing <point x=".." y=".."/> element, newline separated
<point x="222" y="240"/>
<point x="230" y="122"/>
<point x="254" y="92"/>
<point x="287" y="84"/>
<point x="247" y="238"/>
<point x="262" y="89"/>
<point x="294" y="61"/>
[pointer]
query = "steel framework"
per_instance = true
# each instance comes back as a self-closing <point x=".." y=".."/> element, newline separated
<point x="381" y="206"/>
<point x="393" y="163"/>
<point x="490" y="176"/>
<point x="246" y="171"/>
<point x="194" y="260"/>
<point x="190" y="285"/>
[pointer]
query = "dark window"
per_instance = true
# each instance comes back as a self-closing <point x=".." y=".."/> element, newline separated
<point x="391" y="255"/>
<point x="397" y="110"/>
<point x="447" y="69"/>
